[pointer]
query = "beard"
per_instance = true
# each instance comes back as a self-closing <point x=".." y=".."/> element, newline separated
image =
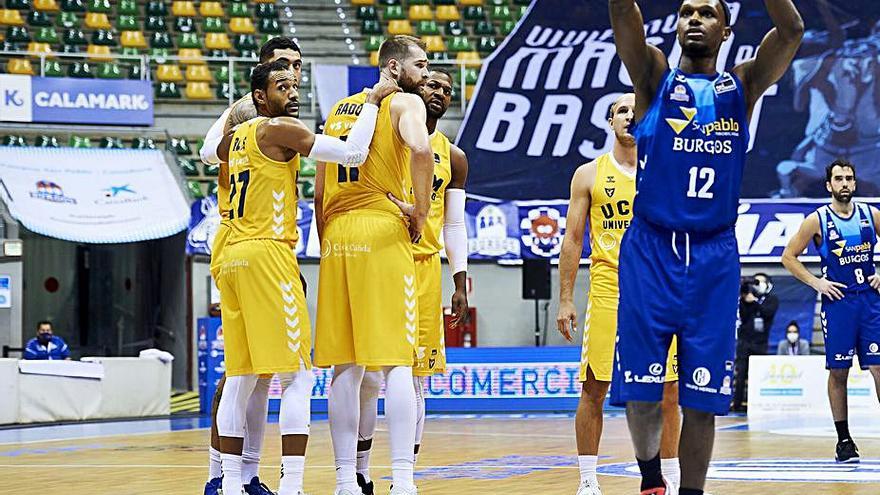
<point x="842" y="196"/>
<point x="407" y="84"/>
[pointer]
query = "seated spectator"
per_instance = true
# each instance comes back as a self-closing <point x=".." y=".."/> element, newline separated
<point x="46" y="345"/>
<point x="793" y="345"/>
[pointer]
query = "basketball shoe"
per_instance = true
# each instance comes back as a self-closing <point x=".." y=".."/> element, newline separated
<point x="344" y="491"/>
<point x="213" y="487"/>
<point x="403" y="491"/>
<point x="669" y="489"/>
<point x="589" y="487"/>
<point x="366" y="488"/>
<point x="847" y="452"/>
<point x="256" y="487"/>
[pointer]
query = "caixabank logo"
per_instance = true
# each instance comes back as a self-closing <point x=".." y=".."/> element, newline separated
<point x="779" y="470"/>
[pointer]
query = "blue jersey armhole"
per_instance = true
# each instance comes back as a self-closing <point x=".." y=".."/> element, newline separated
<point x="823" y="230"/>
<point x="655" y="102"/>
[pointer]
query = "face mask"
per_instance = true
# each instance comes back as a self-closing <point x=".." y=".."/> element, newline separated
<point x="793" y="337"/>
<point x="44" y="338"/>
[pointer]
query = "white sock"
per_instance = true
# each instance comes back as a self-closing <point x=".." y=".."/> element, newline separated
<point x="343" y="406"/>
<point x="671" y="470"/>
<point x="213" y="463"/>
<point x="231" y="473"/>
<point x="587" y="467"/>
<point x="292" y="469"/>
<point x="255" y="425"/>
<point x="420" y="414"/>
<point x="400" y="412"/>
<point x="369" y="396"/>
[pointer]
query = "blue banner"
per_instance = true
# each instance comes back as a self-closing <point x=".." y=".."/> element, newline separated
<point x="76" y="101"/>
<point x="541" y="104"/>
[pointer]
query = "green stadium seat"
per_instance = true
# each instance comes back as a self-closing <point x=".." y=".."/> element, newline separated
<point x="179" y="146"/>
<point x="103" y="37"/>
<point x="307" y="167"/>
<point x="308" y="189"/>
<point x="238" y="10"/>
<point x="221" y="75"/>
<point x="454" y="28"/>
<point x="157" y="8"/>
<point x="195" y="189"/>
<point x="53" y="69"/>
<point x="213" y="25"/>
<point x="500" y="13"/>
<point x="13" y="140"/>
<point x="211" y="170"/>
<point x="110" y="143"/>
<point x="130" y="50"/>
<point x="100" y="6"/>
<point x="127" y="23"/>
<point x="17" y="34"/>
<point x="496" y="2"/>
<point x="471" y="75"/>
<point x="523" y="3"/>
<point x="427" y="28"/>
<point x="188" y="40"/>
<point x="161" y="40"/>
<point x="484" y="28"/>
<point x="389" y="2"/>
<point x="79" y="142"/>
<point x="519" y="12"/>
<point x="223" y="90"/>
<point x="67" y="20"/>
<point x="187" y="166"/>
<point x="267" y="11"/>
<point x="444" y="2"/>
<point x="37" y="19"/>
<point x="167" y="90"/>
<point x="366" y="12"/>
<point x="160" y="54"/>
<point x="79" y="69"/>
<point x="143" y="143"/>
<point x="72" y="6"/>
<point x="474" y="13"/>
<point x="393" y="13"/>
<point x="46" y="35"/>
<point x="218" y="53"/>
<point x="460" y="44"/>
<point x="369" y="26"/>
<point x="269" y="26"/>
<point x="46" y="142"/>
<point x="184" y="25"/>
<point x="74" y="36"/>
<point x="110" y="70"/>
<point x="71" y="48"/>
<point x="251" y="54"/>
<point x="134" y="71"/>
<point x="18" y="4"/>
<point x="438" y="57"/>
<point x="373" y="43"/>
<point x="245" y="42"/>
<point x="212" y="188"/>
<point x="155" y="23"/>
<point x="487" y="44"/>
<point x="127" y="7"/>
<point x="507" y="27"/>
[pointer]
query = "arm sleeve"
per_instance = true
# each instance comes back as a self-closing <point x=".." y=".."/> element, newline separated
<point x="454" y="230"/>
<point x="208" y="151"/>
<point x="353" y="151"/>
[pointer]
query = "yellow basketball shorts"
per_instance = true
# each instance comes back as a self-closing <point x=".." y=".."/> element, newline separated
<point x="220" y="238"/>
<point x="431" y="350"/>
<point x="265" y="321"/>
<point x="600" y="336"/>
<point x="367" y="293"/>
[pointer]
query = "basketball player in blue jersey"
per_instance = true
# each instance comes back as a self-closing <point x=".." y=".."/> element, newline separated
<point x="845" y="234"/>
<point x="679" y="267"/>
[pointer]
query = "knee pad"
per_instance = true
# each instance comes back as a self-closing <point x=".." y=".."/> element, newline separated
<point x="232" y="412"/>
<point x="296" y="399"/>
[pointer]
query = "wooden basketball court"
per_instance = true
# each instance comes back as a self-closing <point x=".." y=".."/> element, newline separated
<point x="461" y="455"/>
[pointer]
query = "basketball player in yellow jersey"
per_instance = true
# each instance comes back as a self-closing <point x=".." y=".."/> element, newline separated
<point x="447" y="214"/>
<point x="278" y="48"/>
<point x="264" y="311"/>
<point x="603" y="190"/>
<point x="367" y="301"/>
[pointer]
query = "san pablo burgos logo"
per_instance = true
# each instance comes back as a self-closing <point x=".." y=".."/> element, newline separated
<point x="52" y="192"/>
<point x="119" y="194"/>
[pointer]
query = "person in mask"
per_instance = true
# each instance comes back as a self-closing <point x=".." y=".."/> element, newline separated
<point x="757" y="308"/>
<point x="46" y="345"/>
<point x="793" y="344"/>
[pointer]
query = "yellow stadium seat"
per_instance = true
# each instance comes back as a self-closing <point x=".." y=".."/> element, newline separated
<point x="35" y="47"/>
<point x="198" y="73"/>
<point x="99" y="52"/>
<point x="190" y="56"/>
<point x="20" y="66"/>
<point x="183" y="8"/>
<point x="9" y="17"/>
<point x="241" y="25"/>
<point x="469" y="58"/>
<point x="374" y="59"/>
<point x="466" y="3"/>
<point x="434" y="43"/>
<point x="211" y="9"/>
<point x="217" y="41"/>
<point x="46" y="5"/>
<point x="400" y="27"/>
<point x="133" y="39"/>
<point x="97" y="20"/>
<point x="420" y="13"/>
<point x="198" y="91"/>
<point x="469" y="91"/>
<point x="447" y="13"/>
<point x="169" y="73"/>
<point x="362" y="2"/>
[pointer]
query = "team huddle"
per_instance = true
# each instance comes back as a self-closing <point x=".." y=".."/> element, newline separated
<point x="661" y="318"/>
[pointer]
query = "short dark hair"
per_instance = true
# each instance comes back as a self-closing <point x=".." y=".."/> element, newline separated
<point x="444" y="71"/>
<point x="267" y="51"/>
<point x="397" y="47"/>
<point x="842" y="163"/>
<point x="260" y="75"/>
<point x="44" y="322"/>
<point x="768" y="278"/>
<point x="725" y="8"/>
<point x="793" y="323"/>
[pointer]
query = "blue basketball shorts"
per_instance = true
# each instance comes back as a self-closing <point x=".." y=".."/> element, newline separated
<point x="852" y="328"/>
<point x="673" y="283"/>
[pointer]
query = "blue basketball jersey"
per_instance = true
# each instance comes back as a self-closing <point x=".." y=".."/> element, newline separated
<point x="692" y="145"/>
<point x="847" y="246"/>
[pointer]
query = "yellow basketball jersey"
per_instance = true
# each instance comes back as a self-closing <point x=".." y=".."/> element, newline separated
<point x="430" y="242"/>
<point x="262" y="193"/>
<point x="610" y="215"/>
<point x="386" y="169"/>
